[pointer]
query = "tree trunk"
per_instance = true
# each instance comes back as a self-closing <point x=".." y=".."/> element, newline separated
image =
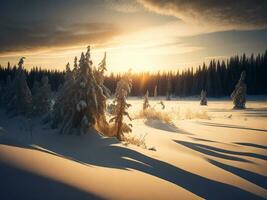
<point x="119" y="129"/>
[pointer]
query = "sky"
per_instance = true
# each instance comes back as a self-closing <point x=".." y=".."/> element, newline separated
<point x="142" y="35"/>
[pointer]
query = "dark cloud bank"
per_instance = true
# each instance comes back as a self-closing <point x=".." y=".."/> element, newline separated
<point x="36" y="24"/>
<point x="240" y="14"/>
<point x="39" y="24"/>
<point x="38" y="35"/>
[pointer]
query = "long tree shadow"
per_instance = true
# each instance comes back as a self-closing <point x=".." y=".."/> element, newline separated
<point x="17" y="183"/>
<point x="166" y="127"/>
<point x="95" y="150"/>
<point x="251" y="145"/>
<point x="203" y="140"/>
<point x="230" y="126"/>
<point x="255" y="178"/>
<point x="254" y="114"/>
<point x="215" y="151"/>
<point x="11" y="142"/>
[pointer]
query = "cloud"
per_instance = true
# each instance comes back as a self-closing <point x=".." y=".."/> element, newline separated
<point x="124" y="6"/>
<point x="231" y="14"/>
<point x="15" y="36"/>
<point x="229" y="42"/>
<point x="38" y="25"/>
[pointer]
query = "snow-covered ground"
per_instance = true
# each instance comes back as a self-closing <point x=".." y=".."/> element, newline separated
<point x="208" y="152"/>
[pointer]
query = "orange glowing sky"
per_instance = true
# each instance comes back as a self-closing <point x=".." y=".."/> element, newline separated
<point x="144" y="35"/>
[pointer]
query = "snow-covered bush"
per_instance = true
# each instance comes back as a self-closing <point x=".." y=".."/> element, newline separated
<point x="203" y="98"/>
<point x="153" y="114"/>
<point x="122" y="91"/>
<point x="239" y="94"/>
<point x="139" y="141"/>
<point x="189" y="114"/>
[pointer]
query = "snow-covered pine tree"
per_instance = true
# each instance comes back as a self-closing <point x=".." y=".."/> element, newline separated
<point x="62" y="102"/>
<point x="21" y="101"/>
<point x="41" y="97"/>
<point x="155" y="91"/>
<point x="203" y="98"/>
<point x="122" y="91"/>
<point x="81" y="103"/>
<point x="102" y="93"/>
<point x="239" y="94"/>
<point x="75" y="67"/>
<point x="146" y="103"/>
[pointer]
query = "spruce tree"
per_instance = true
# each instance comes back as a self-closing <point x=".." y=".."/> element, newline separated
<point x="62" y="103"/>
<point x="42" y="97"/>
<point x="239" y="94"/>
<point x="155" y="91"/>
<point x="102" y="93"/>
<point x="35" y="87"/>
<point x="146" y="103"/>
<point x="122" y="91"/>
<point x="203" y="98"/>
<point x="82" y="101"/>
<point x="21" y="99"/>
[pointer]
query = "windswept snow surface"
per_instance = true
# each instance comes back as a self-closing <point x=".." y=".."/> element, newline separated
<point x="207" y="152"/>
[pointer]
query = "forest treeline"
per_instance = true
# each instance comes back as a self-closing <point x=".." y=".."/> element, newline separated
<point x="217" y="77"/>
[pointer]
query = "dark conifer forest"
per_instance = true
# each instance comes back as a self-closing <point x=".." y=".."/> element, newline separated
<point x="217" y="77"/>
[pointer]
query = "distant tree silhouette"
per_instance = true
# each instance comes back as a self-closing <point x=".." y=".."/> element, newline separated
<point x="217" y="77"/>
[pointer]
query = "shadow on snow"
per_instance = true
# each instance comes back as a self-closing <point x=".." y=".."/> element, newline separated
<point x="93" y="149"/>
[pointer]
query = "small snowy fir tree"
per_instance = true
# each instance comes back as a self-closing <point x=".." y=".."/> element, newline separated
<point x="155" y="91"/>
<point x="203" y="98"/>
<point x="21" y="101"/>
<point x="146" y="103"/>
<point x="82" y="102"/>
<point x="122" y="91"/>
<point x="41" y="97"/>
<point x="239" y="94"/>
<point x="168" y="95"/>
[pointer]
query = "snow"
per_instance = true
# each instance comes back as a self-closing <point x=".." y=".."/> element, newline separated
<point x="210" y="152"/>
<point x="81" y="105"/>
